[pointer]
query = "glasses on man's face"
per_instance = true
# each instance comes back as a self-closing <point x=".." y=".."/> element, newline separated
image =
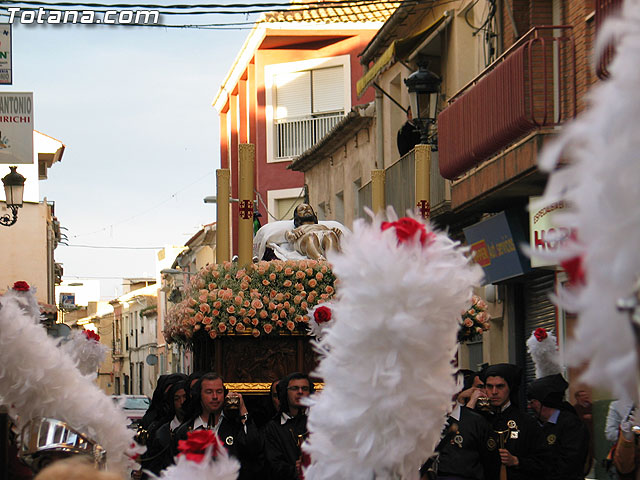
<point x="295" y="389"/>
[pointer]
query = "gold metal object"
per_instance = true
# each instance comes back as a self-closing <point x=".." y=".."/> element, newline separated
<point x="231" y="403"/>
<point x="483" y="404"/>
<point x="258" y="387"/>
<point x="44" y="440"/>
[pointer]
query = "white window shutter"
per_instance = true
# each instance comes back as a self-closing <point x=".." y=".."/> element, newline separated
<point x="293" y="94"/>
<point x="328" y="89"/>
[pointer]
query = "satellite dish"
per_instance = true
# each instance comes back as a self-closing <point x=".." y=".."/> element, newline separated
<point x="152" y="359"/>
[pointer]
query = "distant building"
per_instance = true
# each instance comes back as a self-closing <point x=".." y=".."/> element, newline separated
<point x="28" y="246"/>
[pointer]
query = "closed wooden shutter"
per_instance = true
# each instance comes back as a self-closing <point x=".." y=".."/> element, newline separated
<point x="293" y="94"/>
<point x="539" y="311"/>
<point x="328" y="89"/>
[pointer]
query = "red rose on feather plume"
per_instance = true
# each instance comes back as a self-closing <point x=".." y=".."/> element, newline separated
<point x="91" y="335"/>
<point x="322" y="314"/>
<point x="406" y="229"/>
<point x="21" y="286"/>
<point x="540" y="334"/>
<point x="196" y="444"/>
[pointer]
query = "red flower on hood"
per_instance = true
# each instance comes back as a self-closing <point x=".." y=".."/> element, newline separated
<point x="322" y="314"/>
<point x="91" y="335"/>
<point x="196" y="444"/>
<point x="406" y="229"/>
<point x="21" y="286"/>
<point x="540" y="334"/>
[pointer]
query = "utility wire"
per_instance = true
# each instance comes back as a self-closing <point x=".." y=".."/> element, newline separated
<point x="145" y="211"/>
<point x="112" y="247"/>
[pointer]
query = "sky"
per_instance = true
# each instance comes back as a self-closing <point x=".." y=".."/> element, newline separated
<point x="133" y="107"/>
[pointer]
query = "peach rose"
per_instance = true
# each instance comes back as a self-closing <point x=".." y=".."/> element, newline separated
<point x="291" y="326"/>
<point x="292" y="310"/>
<point x="312" y="283"/>
<point x="240" y="327"/>
<point x="265" y="282"/>
<point x="203" y="298"/>
<point x="197" y="327"/>
<point x="255" y="332"/>
<point x="254" y="322"/>
<point x="283" y="314"/>
<point x="288" y="271"/>
<point x="232" y="321"/>
<point x="265" y="299"/>
<point x="251" y="312"/>
<point x="319" y="276"/>
<point x="246" y="304"/>
<point x="217" y="304"/>
<point x="299" y="287"/>
<point x="207" y="320"/>
<point x="246" y="321"/>
<point x="257" y="304"/>
<point x="468" y="323"/>
<point x="222" y="327"/>
<point x="272" y="306"/>
<point x="263" y="314"/>
<point x="304" y="305"/>
<point x="191" y="302"/>
<point x="329" y="289"/>
<point x="297" y="299"/>
<point x="213" y="334"/>
<point x="267" y="328"/>
<point x="299" y="274"/>
<point x="241" y="273"/>
<point x="207" y="327"/>
<point x="215" y="313"/>
<point x="274" y="316"/>
<point x="198" y="317"/>
<point x="231" y="309"/>
<point x="212" y="286"/>
<point x="309" y="272"/>
<point x="279" y="297"/>
<point x="287" y="283"/>
<point x="272" y="276"/>
<point x="238" y="300"/>
<point x="205" y="308"/>
<point x="279" y="324"/>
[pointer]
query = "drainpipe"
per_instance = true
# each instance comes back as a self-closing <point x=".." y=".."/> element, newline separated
<point x="379" y="132"/>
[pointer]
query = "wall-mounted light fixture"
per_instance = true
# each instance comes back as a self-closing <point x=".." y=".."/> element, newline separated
<point x="13" y="191"/>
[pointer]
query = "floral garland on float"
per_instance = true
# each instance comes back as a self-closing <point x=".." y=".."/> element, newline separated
<point x="264" y="298"/>
<point x="474" y="321"/>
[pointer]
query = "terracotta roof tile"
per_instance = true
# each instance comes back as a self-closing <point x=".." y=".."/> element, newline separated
<point x="300" y="12"/>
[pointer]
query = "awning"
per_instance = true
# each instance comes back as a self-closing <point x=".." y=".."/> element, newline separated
<point x="401" y="49"/>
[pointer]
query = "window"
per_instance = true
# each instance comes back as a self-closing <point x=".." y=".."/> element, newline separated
<point x="356" y="200"/>
<point x="305" y="100"/>
<point x="339" y="208"/>
<point x="282" y="202"/>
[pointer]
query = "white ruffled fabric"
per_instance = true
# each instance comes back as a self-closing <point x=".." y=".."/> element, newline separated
<point x="223" y="467"/>
<point x="88" y="354"/>
<point x="387" y="360"/>
<point x="545" y="355"/>
<point x="601" y="185"/>
<point x="39" y="379"/>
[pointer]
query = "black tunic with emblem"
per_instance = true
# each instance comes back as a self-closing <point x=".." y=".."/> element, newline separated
<point x="281" y="446"/>
<point x="524" y="439"/>
<point x="246" y="446"/>
<point x="463" y="451"/>
<point x="568" y="440"/>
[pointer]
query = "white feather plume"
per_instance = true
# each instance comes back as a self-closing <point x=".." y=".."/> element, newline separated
<point x="222" y="467"/>
<point x="601" y="183"/>
<point x="387" y="360"/>
<point x="39" y="379"/>
<point x="87" y="354"/>
<point x="545" y="355"/>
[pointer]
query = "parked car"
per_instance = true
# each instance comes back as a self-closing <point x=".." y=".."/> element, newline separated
<point x="134" y="407"/>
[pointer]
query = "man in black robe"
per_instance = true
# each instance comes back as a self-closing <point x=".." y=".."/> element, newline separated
<point x="462" y="452"/>
<point x="565" y="434"/>
<point x="234" y="427"/>
<point x="516" y="440"/>
<point x="285" y="433"/>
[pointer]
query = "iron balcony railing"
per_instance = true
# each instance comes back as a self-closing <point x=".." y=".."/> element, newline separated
<point x="531" y="86"/>
<point x="296" y="135"/>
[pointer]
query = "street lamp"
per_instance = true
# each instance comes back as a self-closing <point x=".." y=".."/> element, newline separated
<point x="424" y="88"/>
<point x="13" y="191"/>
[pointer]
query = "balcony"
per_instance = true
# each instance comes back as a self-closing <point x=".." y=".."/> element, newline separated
<point x="532" y="86"/>
<point x="296" y="135"/>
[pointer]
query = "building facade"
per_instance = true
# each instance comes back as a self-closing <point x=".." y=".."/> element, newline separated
<point x="292" y="82"/>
